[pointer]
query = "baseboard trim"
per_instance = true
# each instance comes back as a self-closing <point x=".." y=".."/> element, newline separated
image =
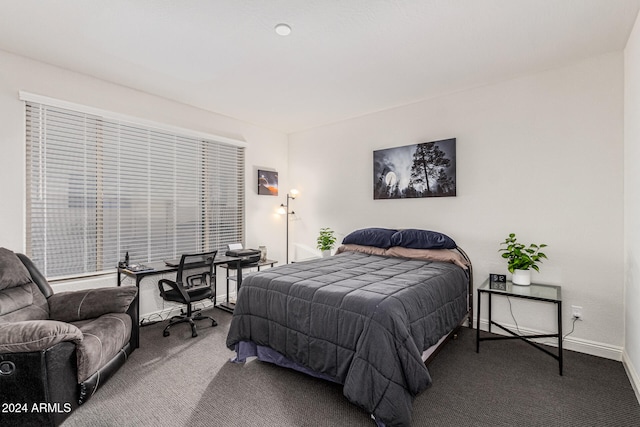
<point x="593" y="348"/>
<point x="634" y="378"/>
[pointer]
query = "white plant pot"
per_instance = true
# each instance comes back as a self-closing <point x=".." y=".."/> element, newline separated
<point x="521" y="277"/>
<point x="326" y="253"/>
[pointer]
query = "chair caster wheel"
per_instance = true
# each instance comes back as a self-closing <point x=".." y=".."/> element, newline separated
<point x="214" y="323"/>
<point x="165" y="333"/>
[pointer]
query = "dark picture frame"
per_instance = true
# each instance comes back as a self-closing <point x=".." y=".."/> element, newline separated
<point x="420" y="170"/>
<point x="267" y="183"/>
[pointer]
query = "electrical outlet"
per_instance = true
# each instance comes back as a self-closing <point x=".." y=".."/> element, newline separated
<point x="576" y="311"/>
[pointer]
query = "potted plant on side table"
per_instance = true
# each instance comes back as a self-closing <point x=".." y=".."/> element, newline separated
<point x="521" y="259"/>
<point x="325" y="241"/>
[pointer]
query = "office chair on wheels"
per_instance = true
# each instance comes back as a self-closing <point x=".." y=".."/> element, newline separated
<point x="188" y="289"/>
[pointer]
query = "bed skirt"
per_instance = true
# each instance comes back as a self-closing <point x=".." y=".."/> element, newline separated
<point x="247" y="349"/>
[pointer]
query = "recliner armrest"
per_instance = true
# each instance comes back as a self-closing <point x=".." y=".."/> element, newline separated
<point x="35" y="335"/>
<point x="90" y="303"/>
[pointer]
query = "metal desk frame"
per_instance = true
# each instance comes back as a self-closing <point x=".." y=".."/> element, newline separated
<point x="227" y="305"/>
<point x="159" y="267"/>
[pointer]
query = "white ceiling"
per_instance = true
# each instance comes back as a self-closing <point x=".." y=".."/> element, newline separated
<point x="344" y="58"/>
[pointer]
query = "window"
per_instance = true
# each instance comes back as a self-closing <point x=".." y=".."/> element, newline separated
<point x="99" y="187"/>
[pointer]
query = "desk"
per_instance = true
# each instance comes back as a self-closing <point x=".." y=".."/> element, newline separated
<point x="536" y="292"/>
<point x="160" y="267"/>
<point x="227" y="305"/>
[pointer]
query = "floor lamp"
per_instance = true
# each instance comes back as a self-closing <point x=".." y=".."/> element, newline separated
<point x="284" y="210"/>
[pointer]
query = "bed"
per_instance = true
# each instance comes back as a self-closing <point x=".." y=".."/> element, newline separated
<point x="368" y="317"/>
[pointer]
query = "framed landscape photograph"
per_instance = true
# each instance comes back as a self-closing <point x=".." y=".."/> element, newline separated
<point x="419" y="170"/>
<point x="268" y="183"/>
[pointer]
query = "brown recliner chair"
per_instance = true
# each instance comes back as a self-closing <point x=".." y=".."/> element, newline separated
<point x="56" y="350"/>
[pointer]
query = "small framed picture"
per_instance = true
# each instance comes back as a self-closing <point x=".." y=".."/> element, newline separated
<point x="498" y="282"/>
<point x="268" y="183"/>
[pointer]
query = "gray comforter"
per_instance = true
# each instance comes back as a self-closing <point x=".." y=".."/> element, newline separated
<point x="363" y="320"/>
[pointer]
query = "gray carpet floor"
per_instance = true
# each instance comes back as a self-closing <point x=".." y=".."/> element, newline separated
<point x="184" y="381"/>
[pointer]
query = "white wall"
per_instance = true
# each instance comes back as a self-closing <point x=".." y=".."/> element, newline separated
<point x="541" y="156"/>
<point x="632" y="206"/>
<point x="266" y="148"/>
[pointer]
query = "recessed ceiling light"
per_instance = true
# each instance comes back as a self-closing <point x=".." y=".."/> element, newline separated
<point x="283" y="29"/>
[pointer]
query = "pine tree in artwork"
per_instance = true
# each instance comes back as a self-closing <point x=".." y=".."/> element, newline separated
<point x="446" y="186"/>
<point x="411" y="190"/>
<point x="428" y="161"/>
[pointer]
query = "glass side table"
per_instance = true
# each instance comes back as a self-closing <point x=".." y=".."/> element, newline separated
<point x="537" y="292"/>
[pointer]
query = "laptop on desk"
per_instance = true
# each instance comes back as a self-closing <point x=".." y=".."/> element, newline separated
<point x="232" y="247"/>
<point x="176" y="262"/>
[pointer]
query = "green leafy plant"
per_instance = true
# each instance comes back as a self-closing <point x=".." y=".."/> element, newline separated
<point x="521" y="257"/>
<point x="326" y="239"/>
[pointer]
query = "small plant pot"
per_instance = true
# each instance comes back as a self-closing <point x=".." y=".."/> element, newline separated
<point x="326" y="253"/>
<point x="521" y="277"/>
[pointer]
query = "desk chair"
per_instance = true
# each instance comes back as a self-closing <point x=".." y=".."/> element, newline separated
<point x="188" y="289"/>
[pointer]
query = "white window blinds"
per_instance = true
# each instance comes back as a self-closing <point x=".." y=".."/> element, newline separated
<point x="99" y="187"/>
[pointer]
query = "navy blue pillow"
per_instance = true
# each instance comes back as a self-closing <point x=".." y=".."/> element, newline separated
<point x="378" y="237"/>
<point x="422" y="239"/>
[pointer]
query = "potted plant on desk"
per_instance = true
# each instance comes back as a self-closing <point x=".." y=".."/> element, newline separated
<point x="325" y="241"/>
<point x="520" y="259"/>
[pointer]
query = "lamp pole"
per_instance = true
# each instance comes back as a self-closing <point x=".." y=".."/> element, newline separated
<point x="291" y="195"/>
<point x="288" y="213"/>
